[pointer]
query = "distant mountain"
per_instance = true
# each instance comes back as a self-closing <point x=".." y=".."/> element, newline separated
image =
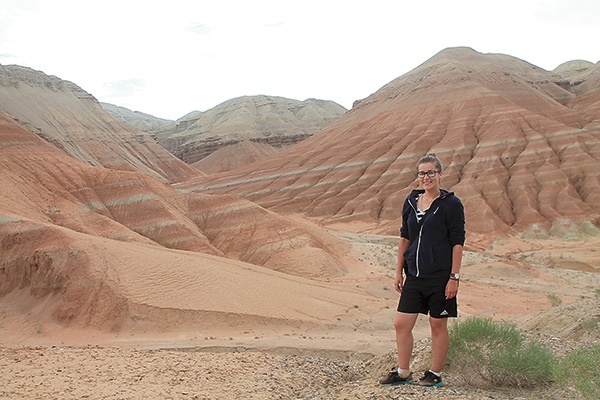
<point x="144" y="122"/>
<point x="275" y="121"/>
<point x="72" y="120"/>
<point x="521" y="147"/>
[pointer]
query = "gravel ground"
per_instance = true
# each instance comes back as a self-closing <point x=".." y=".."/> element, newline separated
<point x="125" y="373"/>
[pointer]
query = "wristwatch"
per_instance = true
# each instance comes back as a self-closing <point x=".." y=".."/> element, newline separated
<point x="454" y="276"/>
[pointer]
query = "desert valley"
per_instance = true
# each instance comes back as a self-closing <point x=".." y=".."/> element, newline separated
<point x="248" y="251"/>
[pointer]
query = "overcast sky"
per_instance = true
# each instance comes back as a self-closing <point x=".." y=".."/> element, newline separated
<point x="168" y="58"/>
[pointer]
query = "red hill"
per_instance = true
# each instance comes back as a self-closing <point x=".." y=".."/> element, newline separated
<point x="520" y="145"/>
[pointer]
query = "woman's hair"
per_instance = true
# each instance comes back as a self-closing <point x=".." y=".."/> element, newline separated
<point x="430" y="158"/>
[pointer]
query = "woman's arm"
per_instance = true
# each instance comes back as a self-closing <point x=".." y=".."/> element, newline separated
<point x="452" y="285"/>
<point x="399" y="280"/>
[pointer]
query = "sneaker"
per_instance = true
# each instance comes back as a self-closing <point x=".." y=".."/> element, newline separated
<point x="431" y="379"/>
<point x="394" y="379"/>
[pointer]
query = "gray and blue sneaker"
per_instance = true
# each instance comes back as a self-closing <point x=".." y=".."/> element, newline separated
<point x="394" y="379"/>
<point x="430" y="379"/>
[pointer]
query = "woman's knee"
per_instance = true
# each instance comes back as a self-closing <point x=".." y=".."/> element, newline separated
<point x="404" y="322"/>
<point x="439" y="326"/>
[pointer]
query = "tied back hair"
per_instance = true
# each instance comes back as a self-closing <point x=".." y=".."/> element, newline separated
<point x="430" y="158"/>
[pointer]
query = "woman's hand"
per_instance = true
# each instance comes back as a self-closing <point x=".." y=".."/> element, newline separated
<point x="451" y="288"/>
<point x="398" y="283"/>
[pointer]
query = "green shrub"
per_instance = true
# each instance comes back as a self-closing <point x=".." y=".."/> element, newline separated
<point x="525" y="366"/>
<point x="555" y="301"/>
<point x="491" y="353"/>
<point x="582" y="370"/>
<point x="590" y="324"/>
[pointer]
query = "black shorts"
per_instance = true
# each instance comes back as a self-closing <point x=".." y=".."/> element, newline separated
<point x="427" y="296"/>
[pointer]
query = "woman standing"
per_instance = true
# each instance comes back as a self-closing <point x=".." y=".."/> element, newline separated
<point x="432" y="237"/>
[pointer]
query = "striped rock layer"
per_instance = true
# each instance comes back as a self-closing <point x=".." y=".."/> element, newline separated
<point x="93" y="247"/>
<point x="72" y="120"/>
<point x="520" y="147"/>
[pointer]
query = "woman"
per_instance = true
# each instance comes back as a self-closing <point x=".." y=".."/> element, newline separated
<point x="432" y="237"/>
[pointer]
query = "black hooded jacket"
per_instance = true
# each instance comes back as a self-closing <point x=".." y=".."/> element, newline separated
<point x="429" y="254"/>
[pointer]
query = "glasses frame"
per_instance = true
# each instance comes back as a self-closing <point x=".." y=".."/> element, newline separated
<point x="431" y="174"/>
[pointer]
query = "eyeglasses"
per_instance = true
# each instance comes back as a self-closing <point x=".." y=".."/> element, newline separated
<point x="431" y="173"/>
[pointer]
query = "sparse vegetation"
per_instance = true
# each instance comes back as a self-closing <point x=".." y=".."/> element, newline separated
<point x="488" y="353"/>
<point x="581" y="369"/>
<point x="591" y="324"/>
<point x="491" y="353"/>
<point x="555" y="301"/>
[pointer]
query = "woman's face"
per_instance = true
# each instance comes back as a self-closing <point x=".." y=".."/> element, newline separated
<point x="429" y="176"/>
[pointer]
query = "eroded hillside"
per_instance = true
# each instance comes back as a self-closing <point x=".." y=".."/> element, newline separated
<point x="521" y="147"/>
<point x="93" y="247"/>
<point x="73" y="121"/>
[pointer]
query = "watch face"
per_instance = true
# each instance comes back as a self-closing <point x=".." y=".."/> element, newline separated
<point x="457" y="276"/>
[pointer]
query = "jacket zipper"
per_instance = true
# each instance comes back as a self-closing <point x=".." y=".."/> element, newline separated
<point x="420" y="234"/>
<point x="419" y="249"/>
<point x="419" y="240"/>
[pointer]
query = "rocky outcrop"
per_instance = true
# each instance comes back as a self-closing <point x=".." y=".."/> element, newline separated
<point x="72" y="120"/>
<point x="277" y="121"/>
<point x="521" y="146"/>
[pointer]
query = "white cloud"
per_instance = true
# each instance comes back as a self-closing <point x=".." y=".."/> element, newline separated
<point x="199" y="29"/>
<point x="169" y="58"/>
<point x="125" y="88"/>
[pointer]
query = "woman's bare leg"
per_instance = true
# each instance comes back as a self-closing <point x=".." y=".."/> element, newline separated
<point x="440" y="342"/>
<point x="404" y="324"/>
